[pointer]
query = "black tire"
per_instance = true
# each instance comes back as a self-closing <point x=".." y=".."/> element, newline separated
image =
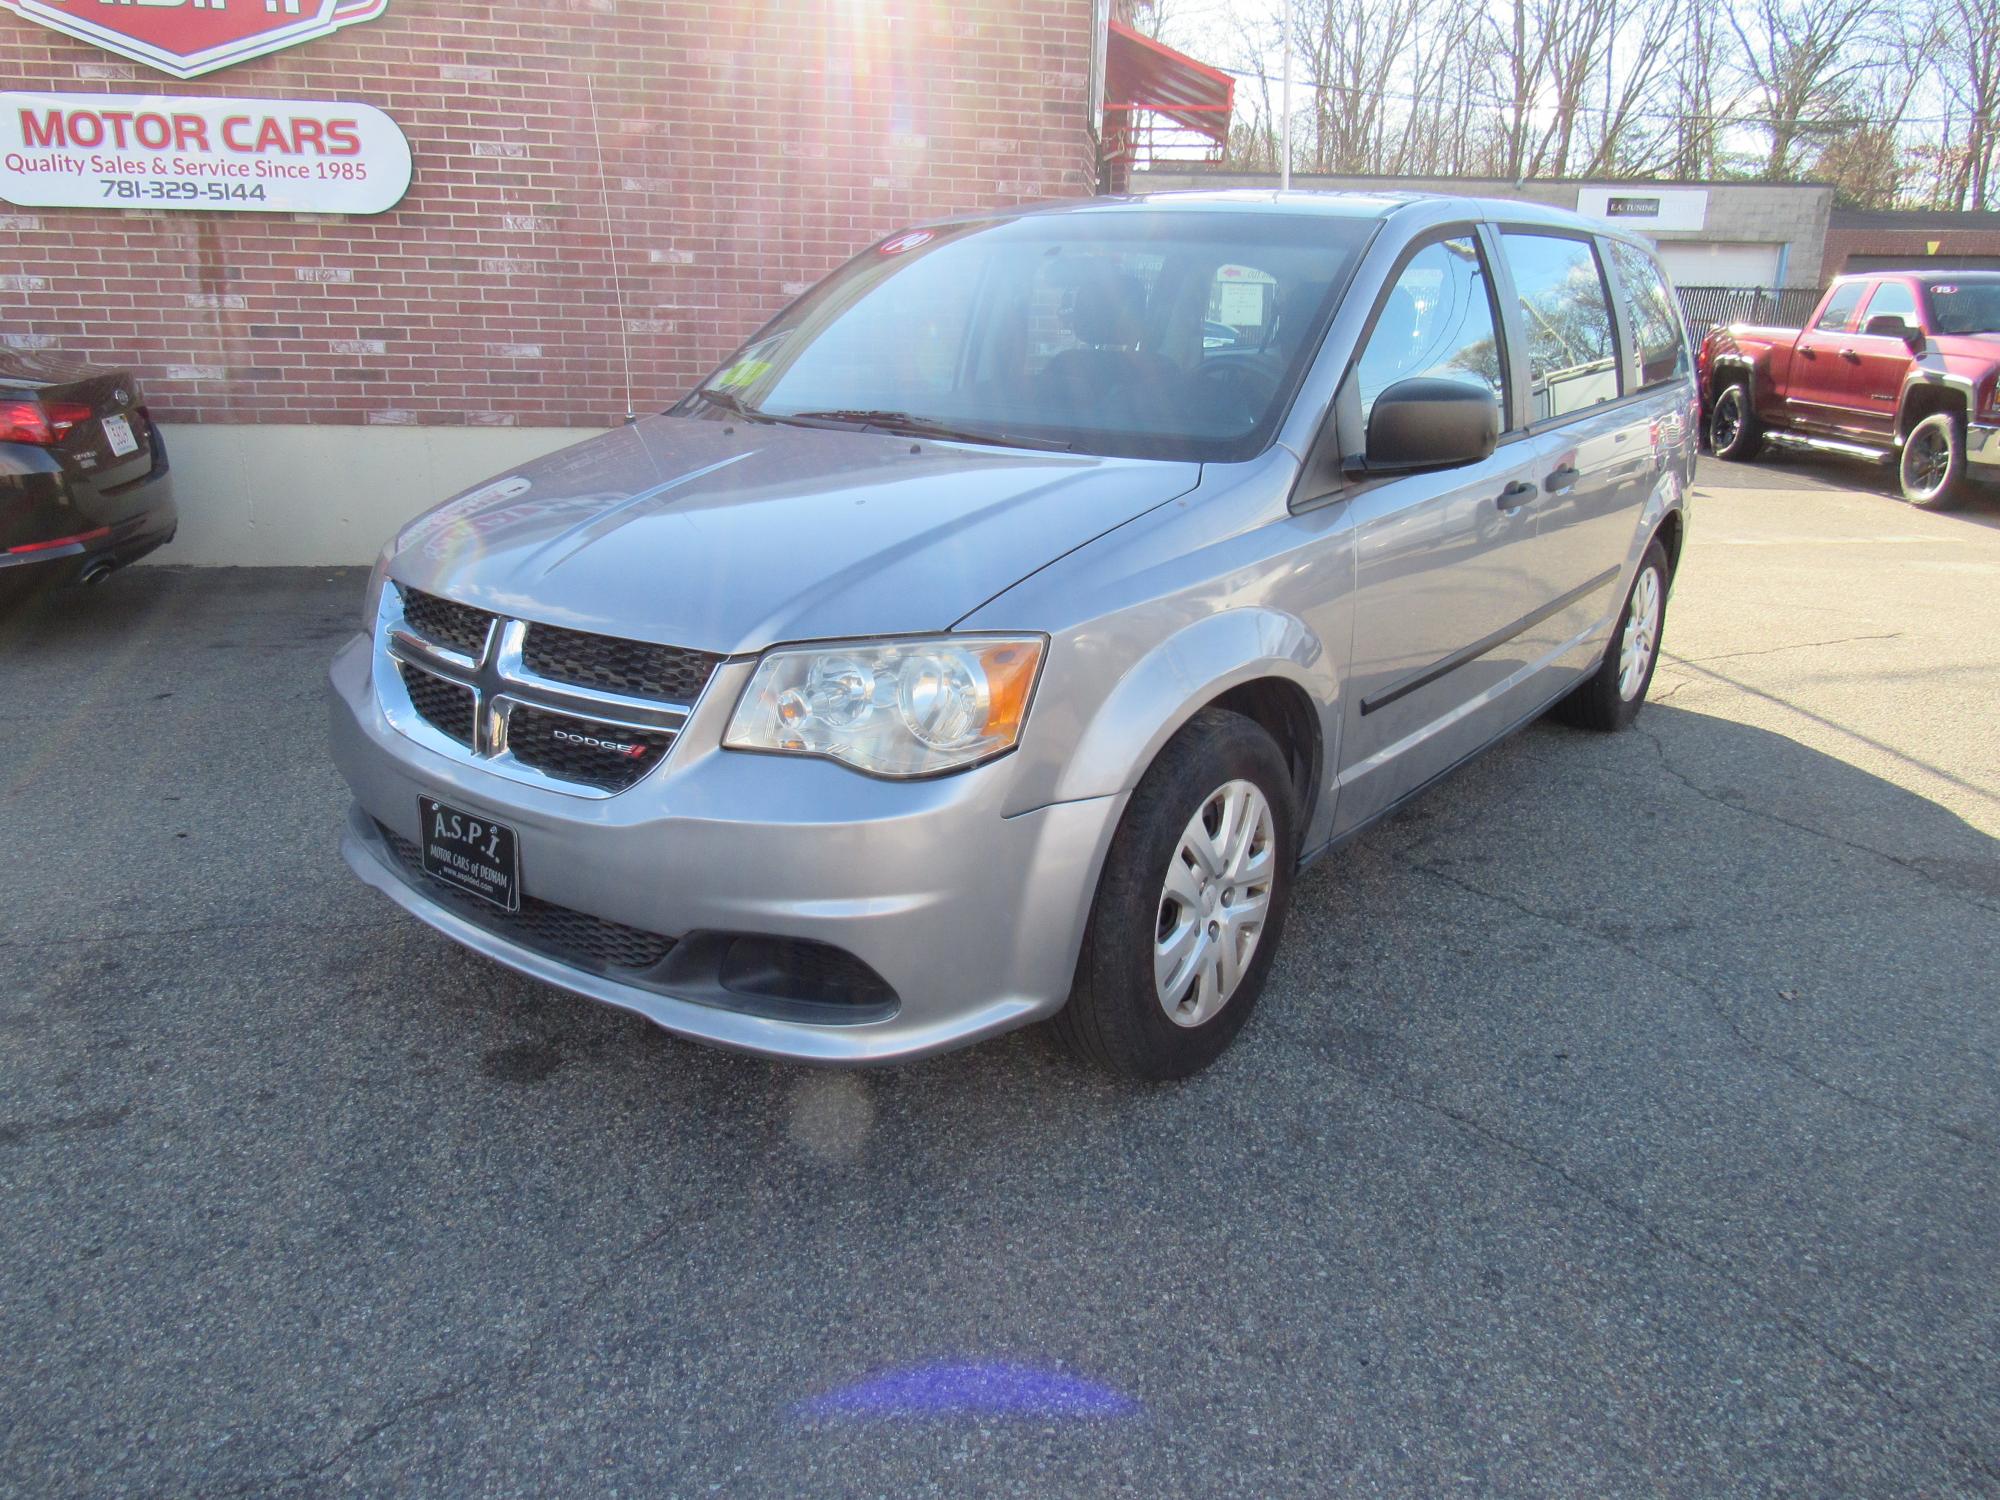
<point x="1733" y="429"/>
<point x="1600" y="701"/>
<point x="1931" y="468"/>
<point x="1116" y="1017"/>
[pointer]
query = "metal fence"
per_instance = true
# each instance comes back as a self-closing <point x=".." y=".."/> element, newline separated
<point x="1707" y="307"/>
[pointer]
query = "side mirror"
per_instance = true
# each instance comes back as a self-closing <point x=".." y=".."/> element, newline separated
<point x="1425" y="423"/>
<point x="1892" y="326"/>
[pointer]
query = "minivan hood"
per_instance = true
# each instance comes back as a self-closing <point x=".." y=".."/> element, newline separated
<point x="733" y="537"/>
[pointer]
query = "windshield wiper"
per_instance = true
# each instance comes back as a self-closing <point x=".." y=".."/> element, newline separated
<point x="732" y="403"/>
<point x="914" y="426"/>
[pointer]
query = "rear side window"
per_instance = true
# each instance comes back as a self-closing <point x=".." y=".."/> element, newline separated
<point x="1438" y="320"/>
<point x="1839" y="314"/>
<point x="1653" y="315"/>
<point x="1893" y="299"/>
<point x="1566" y="315"/>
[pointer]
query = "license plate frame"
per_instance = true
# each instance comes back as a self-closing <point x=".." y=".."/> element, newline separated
<point x="118" y="433"/>
<point x="470" y="852"/>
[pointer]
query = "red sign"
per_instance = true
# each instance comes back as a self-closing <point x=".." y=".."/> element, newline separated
<point x="190" y="37"/>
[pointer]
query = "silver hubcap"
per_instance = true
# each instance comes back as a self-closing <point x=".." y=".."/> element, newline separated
<point x="1642" y="635"/>
<point x="1926" y="461"/>
<point x="1214" y="904"/>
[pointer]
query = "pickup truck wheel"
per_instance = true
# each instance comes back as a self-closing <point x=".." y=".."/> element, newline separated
<point x="1190" y="907"/>
<point x="1610" y="698"/>
<point x="1932" y="467"/>
<point x="1733" y="429"/>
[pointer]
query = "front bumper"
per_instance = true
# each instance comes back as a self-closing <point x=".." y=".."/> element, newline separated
<point x="972" y="918"/>
<point x="1982" y="451"/>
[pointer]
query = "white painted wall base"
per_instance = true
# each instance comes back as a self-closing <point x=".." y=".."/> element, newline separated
<point x="274" y="495"/>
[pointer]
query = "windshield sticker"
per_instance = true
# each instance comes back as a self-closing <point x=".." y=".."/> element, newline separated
<point x="1943" y="291"/>
<point x="915" y="239"/>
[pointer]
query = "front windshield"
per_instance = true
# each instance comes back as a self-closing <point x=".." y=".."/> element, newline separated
<point x="1964" y="306"/>
<point x="1150" y="334"/>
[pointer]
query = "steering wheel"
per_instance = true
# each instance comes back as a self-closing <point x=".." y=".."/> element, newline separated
<point x="1249" y="377"/>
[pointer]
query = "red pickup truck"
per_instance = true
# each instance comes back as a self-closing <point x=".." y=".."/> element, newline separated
<point x="1895" y="366"/>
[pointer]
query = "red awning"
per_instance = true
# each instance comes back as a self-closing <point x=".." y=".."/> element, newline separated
<point x="1140" y="74"/>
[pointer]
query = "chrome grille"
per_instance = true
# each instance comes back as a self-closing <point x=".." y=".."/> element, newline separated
<point x="440" y="703"/>
<point x="447" y="622"/>
<point x="600" y="755"/>
<point x="575" y="937"/>
<point x="462" y="681"/>
<point x="604" y="661"/>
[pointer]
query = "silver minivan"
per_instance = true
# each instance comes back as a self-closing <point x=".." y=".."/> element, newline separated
<point x="995" y="636"/>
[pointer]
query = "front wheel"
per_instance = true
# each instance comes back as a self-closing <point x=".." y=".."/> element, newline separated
<point x="1191" y="904"/>
<point x="1733" y="429"/>
<point x="1932" y="466"/>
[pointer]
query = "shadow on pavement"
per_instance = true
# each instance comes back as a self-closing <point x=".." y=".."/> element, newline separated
<point x="1778" y="467"/>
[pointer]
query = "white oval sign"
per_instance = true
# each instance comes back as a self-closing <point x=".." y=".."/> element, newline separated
<point x="237" y="155"/>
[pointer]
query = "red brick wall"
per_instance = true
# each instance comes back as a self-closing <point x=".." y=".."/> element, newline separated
<point x="1913" y="245"/>
<point x="748" y="149"/>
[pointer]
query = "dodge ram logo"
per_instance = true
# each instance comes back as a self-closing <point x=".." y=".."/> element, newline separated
<point x="190" y="37"/>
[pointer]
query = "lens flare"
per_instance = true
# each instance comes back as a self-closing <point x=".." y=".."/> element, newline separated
<point x="972" y="1389"/>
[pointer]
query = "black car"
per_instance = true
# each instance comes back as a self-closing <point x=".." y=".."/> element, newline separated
<point x="83" y="473"/>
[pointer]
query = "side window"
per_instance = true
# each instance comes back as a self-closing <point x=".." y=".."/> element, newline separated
<point x="1839" y="314"/>
<point x="1438" y="321"/>
<point x="1892" y="299"/>
<point x="1653" y="314"/>
<point x="1566" y="315"/>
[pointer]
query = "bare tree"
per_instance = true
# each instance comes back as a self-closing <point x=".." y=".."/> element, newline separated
<point x="1353" y="53"/>
<point x="1637" y="95"/>
<point x="1631" y="88"/>
<point x="1253" y="134"/>
<point x="1806" y="59"/>
<point x="1449" y="68"/>
<point x="1549" y="57"/>
<point x="1869" y="163"/>
<point x="1151" y="17"/>
<point x="1964" y="38"/>
<point x="1700" y="91"/>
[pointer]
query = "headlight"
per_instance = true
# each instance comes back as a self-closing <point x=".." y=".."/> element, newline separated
<point x="371" y="602"/>
<point x="891" y="708"/>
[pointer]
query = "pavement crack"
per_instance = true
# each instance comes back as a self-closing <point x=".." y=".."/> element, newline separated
<point x="1846" y="640"/>
<point x="1876" y="1380"/>
<point x="198" y="929"/>
<point x="1718" y="1007"/>
<point x="1913" y="867"/>
<point x="515" y="1372"/>
<point x="15" y="1132"/>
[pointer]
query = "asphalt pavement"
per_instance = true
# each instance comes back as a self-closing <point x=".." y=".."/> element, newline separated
<point x="1621" y="1119"/>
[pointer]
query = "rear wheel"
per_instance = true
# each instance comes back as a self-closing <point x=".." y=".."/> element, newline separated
<point x="1733" y="429"/>
<point x="1191" y="904"/>
<point x="1932" y="466"/>
<point x="1609" y="699"/>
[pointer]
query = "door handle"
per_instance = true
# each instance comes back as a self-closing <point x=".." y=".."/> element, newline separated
<point x="1517" y="494"/>
<point x="1808" y="354"/>
<point x="1851" y="354"/>
<point x="1561" y="479"/>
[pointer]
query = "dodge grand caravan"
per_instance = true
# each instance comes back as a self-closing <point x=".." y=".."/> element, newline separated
<point x="990" y="641"/>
